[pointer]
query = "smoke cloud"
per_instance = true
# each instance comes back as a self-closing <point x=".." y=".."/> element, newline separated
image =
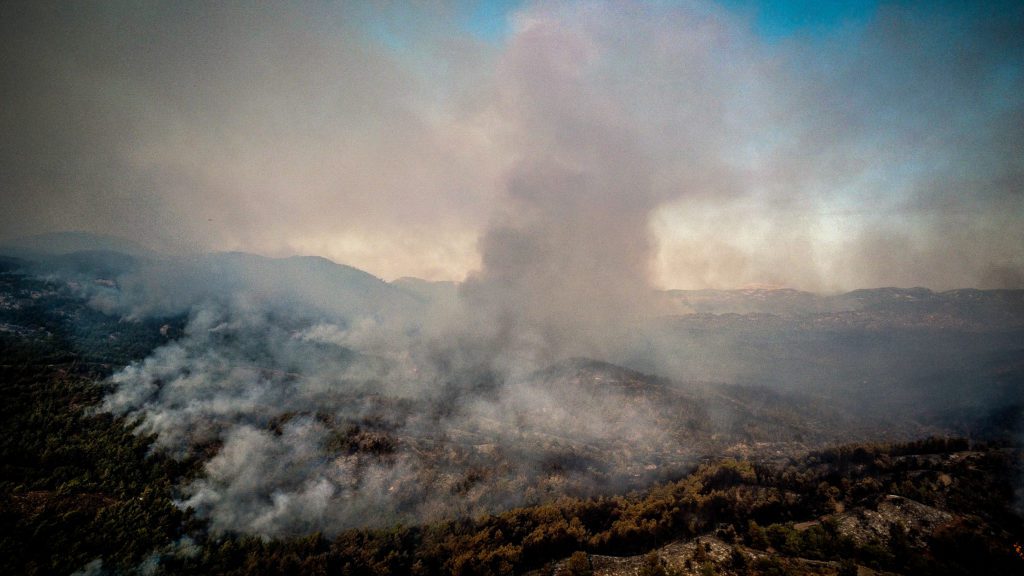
<point x="393" y="138"/>
<point x="599" y="151"/>
<point x="342" y="421"/>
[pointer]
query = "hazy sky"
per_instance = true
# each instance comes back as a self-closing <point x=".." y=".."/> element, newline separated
<point x="816" y="145"/>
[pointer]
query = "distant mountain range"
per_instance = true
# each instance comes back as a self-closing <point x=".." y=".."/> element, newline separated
<point x="149" y="282"/>
<point x="787" y="301"/>
<point x="336" y="287"/>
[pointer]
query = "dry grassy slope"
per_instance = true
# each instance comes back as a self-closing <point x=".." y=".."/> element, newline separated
<point x="680" y="558"/>
<point x="872" y="522"/>
<point x="690" y="557"/>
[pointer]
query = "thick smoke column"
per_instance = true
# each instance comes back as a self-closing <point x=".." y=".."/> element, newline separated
<point x="565" y="261"/>
<point x="565" y="268"/>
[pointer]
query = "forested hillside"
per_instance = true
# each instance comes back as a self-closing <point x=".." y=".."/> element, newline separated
<point x="79" y="488"/>
<point x="727" y="479"/>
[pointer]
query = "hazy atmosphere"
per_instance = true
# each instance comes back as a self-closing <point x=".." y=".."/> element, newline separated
<point x="819" y="146"/>
<point x="490" y="288"/>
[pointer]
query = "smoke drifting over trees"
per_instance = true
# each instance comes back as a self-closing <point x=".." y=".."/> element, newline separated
<point x="325" y="399"/>
<point x="598" y="152"/>
<point x="321" y="420"/>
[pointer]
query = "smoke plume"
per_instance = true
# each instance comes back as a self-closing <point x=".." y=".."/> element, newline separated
<point x="604" y="148"/>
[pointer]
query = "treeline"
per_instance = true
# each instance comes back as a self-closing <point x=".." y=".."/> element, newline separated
<point x="866" y="453"/>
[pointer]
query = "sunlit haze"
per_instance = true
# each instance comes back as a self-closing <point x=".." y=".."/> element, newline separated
<point x="816" y="145"/>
